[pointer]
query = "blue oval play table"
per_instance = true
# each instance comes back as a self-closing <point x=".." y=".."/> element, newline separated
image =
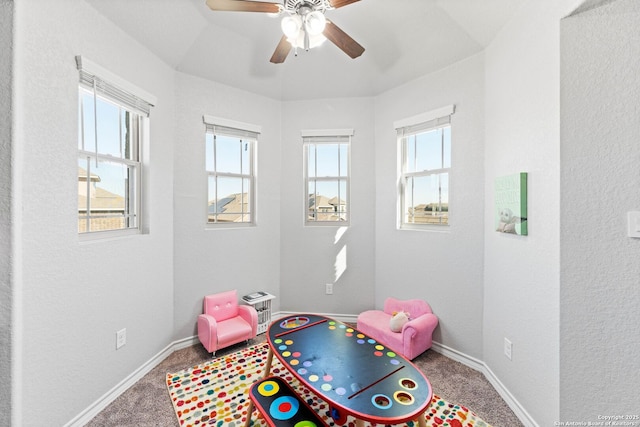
<point x="352" y="372"/>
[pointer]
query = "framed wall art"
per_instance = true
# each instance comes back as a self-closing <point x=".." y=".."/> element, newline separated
<point x="511" y="204"/>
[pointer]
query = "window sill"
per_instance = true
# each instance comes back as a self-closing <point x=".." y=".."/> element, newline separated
<point x="223" y="226"/>
<point x="327" y="224"/>
<point x="101" y="236"/>
<point x="444" y="228"/>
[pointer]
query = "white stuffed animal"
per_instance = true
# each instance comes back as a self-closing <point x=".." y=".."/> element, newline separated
<point x="398" y="320"/>
<point x="508" y="221"/>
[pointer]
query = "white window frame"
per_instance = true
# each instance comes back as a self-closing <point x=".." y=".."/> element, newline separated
<point x="102" y="84"/>
<point x="327" y="136"/>
<point x="406" y="128"/>
<point x="246" y="133"/>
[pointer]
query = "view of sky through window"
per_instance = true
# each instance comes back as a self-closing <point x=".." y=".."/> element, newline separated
<point x="113" y="141"/>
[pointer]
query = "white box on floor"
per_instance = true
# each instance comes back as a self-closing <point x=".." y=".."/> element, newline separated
<point x="261" y="301"/>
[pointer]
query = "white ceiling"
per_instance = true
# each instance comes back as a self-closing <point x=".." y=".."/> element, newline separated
<point x="404" y="39"/>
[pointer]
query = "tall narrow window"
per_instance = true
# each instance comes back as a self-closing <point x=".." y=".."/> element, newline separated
<point x="112" y="118"/>
<point x="326" y="171"/>
<point x="425" y="168"/>
<point x="230" y="162"/>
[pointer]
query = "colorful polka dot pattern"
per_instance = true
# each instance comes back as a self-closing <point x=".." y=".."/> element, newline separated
<point x="216" y="394"/>
<point x="302" y="366"/>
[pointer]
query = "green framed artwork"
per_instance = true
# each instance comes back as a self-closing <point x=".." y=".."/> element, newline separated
<point x="511" y="204"/>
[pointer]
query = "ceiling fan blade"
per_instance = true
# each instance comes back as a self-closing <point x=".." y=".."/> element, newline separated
<point x="339" y="3"/>
<point x="281" y="52"/>
<point x="342" y="40"/>
<point x="243" y="6"/>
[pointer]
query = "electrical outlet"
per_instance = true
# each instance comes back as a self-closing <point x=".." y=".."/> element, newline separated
<point x="121" y="338"/>
<point x="507" y="348"/>
<point x="329" y="288"/>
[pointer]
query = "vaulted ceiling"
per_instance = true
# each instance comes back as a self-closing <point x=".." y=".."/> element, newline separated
<point x="404" y="39"/>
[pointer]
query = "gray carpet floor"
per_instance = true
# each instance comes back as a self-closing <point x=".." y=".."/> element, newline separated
<point x="147" y="402"/>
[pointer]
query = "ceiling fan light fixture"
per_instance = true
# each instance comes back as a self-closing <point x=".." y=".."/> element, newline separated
<point x="313" y="41"/>
<point x="291" y="26"/>
<point x="315" y="23"/>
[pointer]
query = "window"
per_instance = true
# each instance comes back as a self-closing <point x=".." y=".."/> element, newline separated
<point x="112" y="119"/>
<point x="230" y="163"/>
<point x="326" y="172"/>
<point x="425" y="168"/>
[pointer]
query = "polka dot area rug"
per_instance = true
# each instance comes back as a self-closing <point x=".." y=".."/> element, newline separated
<point x="216" y="394"/>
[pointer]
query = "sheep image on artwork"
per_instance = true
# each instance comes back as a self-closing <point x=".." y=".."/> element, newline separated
<point x="508" y="221"/>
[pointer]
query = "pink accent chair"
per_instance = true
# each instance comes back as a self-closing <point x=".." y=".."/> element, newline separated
<point x="225" y="322"/>
<point x="415" y="337"/>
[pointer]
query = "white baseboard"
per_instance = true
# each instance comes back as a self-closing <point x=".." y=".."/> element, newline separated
<point x="96" y="407"/>
<point x="506" y="395"/>
<point x="458" y="356"/>
<point x="104" y="401"/>
<point x="482" y="367"/>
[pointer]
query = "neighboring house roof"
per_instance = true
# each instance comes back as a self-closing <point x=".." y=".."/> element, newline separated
<point x="230" y="208"/>
<point x="82" y="176"/>
<point x="103" y="201"/>
<point x="322" y="201"/>
<point x="318" y="200"/>
<point x="220" y="205"/>
<point x="335" y="201"/>
<point x="324" y="209"/>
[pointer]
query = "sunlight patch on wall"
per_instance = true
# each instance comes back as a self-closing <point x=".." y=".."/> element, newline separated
<point x="339" y="234"/>
<point x="341" y="262"/>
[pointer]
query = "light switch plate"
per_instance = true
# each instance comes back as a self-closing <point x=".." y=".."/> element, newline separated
<point x="633" y="224"/>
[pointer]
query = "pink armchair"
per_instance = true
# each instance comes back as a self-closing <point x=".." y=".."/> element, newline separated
<point x="224" y="322"/>
<point x="415" y="337"/>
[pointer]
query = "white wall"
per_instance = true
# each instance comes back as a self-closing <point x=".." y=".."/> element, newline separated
<point x="75" y="296"/>
<point x="6" y="60"/>
<point x="521" y="274"/>
<point x="313" y="256"/>
<point x="441" y="267"/>
<point x="600" y="159"/>
<point x="215" y="260"/>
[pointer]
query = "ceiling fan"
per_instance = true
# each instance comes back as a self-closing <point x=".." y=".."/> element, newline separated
<point x="304" y="24"/>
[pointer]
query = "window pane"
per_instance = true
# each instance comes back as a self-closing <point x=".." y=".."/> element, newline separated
<point x="233" y="203"/>
<point x="428" y="150"/>
<point x="344" y="159"/>
<point x="410" y="153"/>
<point x="129" y="134"/>
<point x="327" y="178"/>
<point x="228" y="154"/>
<point x="229" y="197"/>
<point x="327" y="200"/>
<point x="427" y="199"/>
<point x="107" y="187"/>
<point x="105" y="196"/>
<point x="246" y="150"/>
<point x="108" y="128"/>
<point x="327" y="159"/>
<point x="311" y="161"/>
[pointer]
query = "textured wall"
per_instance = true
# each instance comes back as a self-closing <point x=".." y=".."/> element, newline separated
<point x="600" y="158"/>
<point x="213" y="260"/>
<point x="316" y="255"/>
<point x="522" y="274"/>
<point x="442" y="267"/>
<point x="6" y="298"/>
<point x="76" y="295"/>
